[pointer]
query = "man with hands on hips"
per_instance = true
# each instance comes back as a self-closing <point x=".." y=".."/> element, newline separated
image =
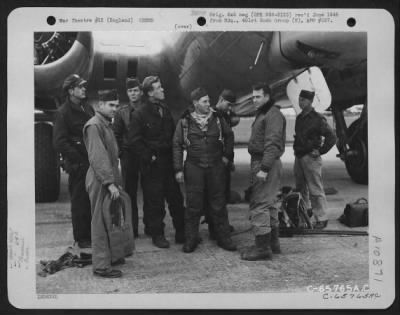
<point x="314" y="137"/>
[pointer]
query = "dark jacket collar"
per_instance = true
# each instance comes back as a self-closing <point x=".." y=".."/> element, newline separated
<point x="154" y="106"/>
<point x="74" y="106"/>
<point x="155" y="103"/>
<point x="311" y="112"/>
<point x="266" y="107"/>
<point x="134" y="107"/>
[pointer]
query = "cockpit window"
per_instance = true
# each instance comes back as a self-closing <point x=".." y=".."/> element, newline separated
<point x="110" y="68"/>
<point x="132" y="67"/>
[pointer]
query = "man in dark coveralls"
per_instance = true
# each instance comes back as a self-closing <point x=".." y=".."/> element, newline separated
<point x="129" y="160"/>
<point x="208" y="141"/>
<point x="150" y="137"/>
<point x="223" y="109"/>
<point x="70" y="119"/>
<point x="311" y="128"/>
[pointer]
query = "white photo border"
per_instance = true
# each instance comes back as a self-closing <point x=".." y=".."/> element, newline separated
<point x="23" y="22"/>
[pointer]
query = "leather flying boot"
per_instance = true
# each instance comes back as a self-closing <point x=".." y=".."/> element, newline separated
<point x="227" y="243"/>
<point x="160" y="241"/>
<point x="192" y="220"/>
<point x="275" y="246"/>
<point x="190" y="245"/>
<point x="211" y="231"/>
<point x="260" y="251"/>
<point x="224" y="239"/>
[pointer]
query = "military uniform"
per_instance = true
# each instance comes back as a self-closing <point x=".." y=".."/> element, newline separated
<point x="229" y="119"/>
<point x="129" y="160"/>
<point x="69" y="122"/>
<point x="266" y="146"/>
<point x="150" y="137"/>
<point x="204" y="173"/>
<point x="310" y="128"/>
<point x="103" y="157"/>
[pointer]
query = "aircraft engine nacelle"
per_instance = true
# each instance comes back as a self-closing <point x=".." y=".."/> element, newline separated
<point x="58" y="55"/>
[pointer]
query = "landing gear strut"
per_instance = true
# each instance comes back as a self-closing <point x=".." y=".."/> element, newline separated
<point x="353" y="145"/>
<point x="47" y="171"/>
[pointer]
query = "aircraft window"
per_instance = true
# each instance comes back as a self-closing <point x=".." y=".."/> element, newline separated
<point x="110" y="68"/>
<point x="132" y="67"/>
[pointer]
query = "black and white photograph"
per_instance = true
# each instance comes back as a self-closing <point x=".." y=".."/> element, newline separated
<point x="231" y="161"/>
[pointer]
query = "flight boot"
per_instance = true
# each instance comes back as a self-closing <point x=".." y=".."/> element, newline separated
<point x="160" y="241"/>
<point x="224" y="239"/>
<point x="261" y="250"/>
<point x="190" y="245"/>
<point x="275" y="245"/>
<point x="227" y="244"/>
<point x="191" y="231"/>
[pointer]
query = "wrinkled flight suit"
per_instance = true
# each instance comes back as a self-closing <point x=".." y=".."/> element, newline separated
<point x="204" y="172"/>
<point x="102" y="150"/>
<point x="266" y="146"/>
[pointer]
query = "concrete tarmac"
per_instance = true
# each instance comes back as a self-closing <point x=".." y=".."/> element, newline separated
<point x="306" y="260"/>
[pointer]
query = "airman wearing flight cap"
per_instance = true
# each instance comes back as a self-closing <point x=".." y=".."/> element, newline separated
<point x="314" y="137"/>
<point x="129" y="159"/>
<point x="103" y="177"/>
<point x="69" y="122"/>
<point x="224" y="107"/>
<point x="208" y="141"/>
<point x="150" y="137"/>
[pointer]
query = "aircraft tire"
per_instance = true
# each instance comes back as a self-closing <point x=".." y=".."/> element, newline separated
<point x="47" y="171"/>
<point x="357" y="166"/>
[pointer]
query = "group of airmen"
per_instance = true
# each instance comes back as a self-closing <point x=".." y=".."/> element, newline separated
<point x="145" y="141"/>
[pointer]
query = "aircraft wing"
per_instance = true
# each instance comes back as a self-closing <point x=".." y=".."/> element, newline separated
<point x="237" y="60"/>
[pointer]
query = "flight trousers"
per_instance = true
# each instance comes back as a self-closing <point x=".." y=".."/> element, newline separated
<point x="263" y="198"/>
<point x="308" y="175"/>
<point x="159" y="185"/>
<point x="80" y="205"/>
<point x="207" y="215"/>
<point x="130" y="169"/>
<point x="205" y="183"/>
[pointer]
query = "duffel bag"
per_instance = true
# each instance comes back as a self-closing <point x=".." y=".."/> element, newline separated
<point x="355" y="213"/>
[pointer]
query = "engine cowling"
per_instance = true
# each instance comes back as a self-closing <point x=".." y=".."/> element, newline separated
<point x="57" y="55"/>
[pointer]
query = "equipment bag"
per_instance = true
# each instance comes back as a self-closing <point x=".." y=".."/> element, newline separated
<point x="355" y="213"/>
<point x="118" y="220"/>
<point x="293" y="213"/>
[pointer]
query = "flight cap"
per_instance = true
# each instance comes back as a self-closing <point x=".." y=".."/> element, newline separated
<point x="132" y="83"/>
<point x="229" y="96"/>
<point x="72" y="81"/>
<point x="107" y="95"/>
<point x="198" y="94"/>
<point x="307" y="94"/>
